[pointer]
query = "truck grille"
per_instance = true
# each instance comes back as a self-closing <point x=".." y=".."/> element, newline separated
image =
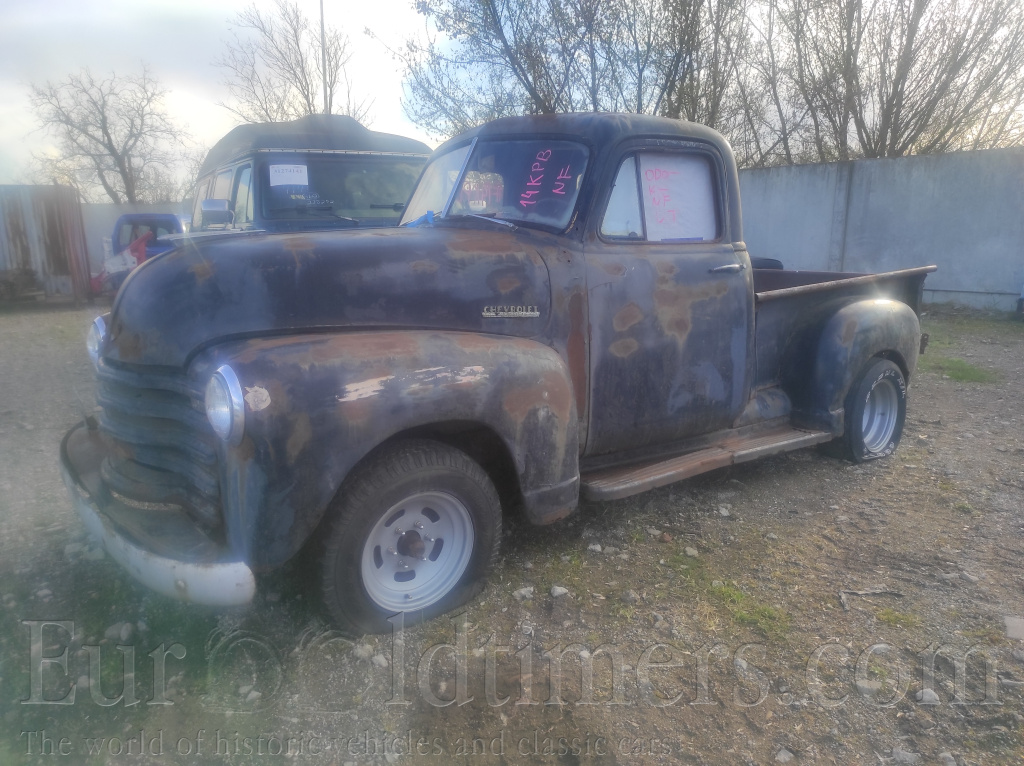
<point x="165" y="448"/>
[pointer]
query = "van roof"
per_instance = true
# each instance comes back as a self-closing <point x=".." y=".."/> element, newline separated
<point x="316" y="132"/>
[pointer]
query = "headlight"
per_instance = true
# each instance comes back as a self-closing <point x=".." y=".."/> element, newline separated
<point x="94" y="339"/>
<point x="225" y="408"/>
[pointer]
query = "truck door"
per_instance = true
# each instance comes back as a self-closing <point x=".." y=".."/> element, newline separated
<point x="671" y="314"/>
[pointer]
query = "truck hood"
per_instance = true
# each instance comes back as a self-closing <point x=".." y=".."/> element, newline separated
<point x="208" y="291"/>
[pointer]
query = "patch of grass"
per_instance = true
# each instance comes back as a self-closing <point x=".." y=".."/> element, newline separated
<point x="770" y="621"/>
<point x="957" y="369"/>
<point x="624" y="612"/>
<point x="989" y="633"/>
<point x="963" y="508"/>
<point x="897" y="619"/>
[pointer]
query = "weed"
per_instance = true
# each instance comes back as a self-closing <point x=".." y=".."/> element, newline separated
<point x="957" y="369"/>
<point x="897" y="619"/>
<point x="988" y="633"/>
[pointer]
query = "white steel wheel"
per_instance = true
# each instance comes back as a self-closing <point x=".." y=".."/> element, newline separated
<point x="417" y="551"/>
<point x="415" y="529"/>
<point x="876" y="409"/>
<point x="881" y="414"/>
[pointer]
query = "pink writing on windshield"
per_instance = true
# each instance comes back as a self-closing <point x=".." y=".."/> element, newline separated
<point x="563" y="175"/>
<point x="535" y="178"/>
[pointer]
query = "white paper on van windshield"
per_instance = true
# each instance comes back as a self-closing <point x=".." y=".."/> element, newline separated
<point x="289" y="175"/>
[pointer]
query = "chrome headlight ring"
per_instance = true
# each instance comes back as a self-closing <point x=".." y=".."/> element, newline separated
<point x="94" y="339"/>
<point x="225" y="407"/>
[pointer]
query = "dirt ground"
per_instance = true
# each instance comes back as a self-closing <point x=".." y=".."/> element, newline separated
<point x="795" y="610"/>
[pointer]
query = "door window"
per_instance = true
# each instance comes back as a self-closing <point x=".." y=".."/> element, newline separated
<point x="663" y="197"/>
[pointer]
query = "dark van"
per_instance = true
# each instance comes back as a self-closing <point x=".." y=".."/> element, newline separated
<point x="318" y="172"/>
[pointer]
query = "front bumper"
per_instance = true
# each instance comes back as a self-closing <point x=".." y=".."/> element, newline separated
<point x="161" y="549"/>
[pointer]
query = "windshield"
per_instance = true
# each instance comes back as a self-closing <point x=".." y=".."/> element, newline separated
<point x="342" y="188"/>
<point x="528" y="181"/>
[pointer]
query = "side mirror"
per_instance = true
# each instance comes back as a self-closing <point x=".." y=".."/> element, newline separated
<point x="216" y="212"/>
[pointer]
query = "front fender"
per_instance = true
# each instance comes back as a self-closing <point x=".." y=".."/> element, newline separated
<point x="854" y="335"/>
<point x="317" y="404"/>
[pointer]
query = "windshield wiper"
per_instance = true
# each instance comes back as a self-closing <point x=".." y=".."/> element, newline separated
<point x="491" y="218"/>
<point x="315" y="209"/>
<point x="398" y="207"/>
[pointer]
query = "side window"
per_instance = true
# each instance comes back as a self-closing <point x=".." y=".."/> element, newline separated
<point x="672" y="194"/>
<point x="243" y="196"/>
<point x="197" y="213"/>
<point x="222" y="185"/>
<point x="679" y="197"/>
<point x="622" y="218"/>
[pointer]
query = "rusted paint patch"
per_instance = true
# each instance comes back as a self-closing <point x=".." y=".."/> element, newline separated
<point x="424" y="267"/>
<point x="667" y="268"/>
<point x="201" y="270"/>
<point x="507" y="284"/>
<point x="577" y="351"/>
<point x="674" y="305"/>
<point x="257" y="398"/>
<point x="623" y="348"/>
<point x="628" y="316"/>
<point x="615" y="269"/>
<point x="550" y="392"/>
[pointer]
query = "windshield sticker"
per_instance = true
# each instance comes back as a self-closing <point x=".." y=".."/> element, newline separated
<point x="510" y="312"/>
<point x="289" y="175"/>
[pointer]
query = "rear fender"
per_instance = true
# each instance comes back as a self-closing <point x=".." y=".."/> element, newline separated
<point x="315" y="405"/>
<point x="854" y="335"/>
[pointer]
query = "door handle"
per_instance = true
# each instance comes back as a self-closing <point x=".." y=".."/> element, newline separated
<point x="729" y="268"/>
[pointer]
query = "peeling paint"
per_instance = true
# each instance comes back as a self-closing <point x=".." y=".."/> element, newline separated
<point x="623" y="348"/>
<point x="364" y="389"/>
<point x="629" y="315"/>
<point x="257" y="398"/>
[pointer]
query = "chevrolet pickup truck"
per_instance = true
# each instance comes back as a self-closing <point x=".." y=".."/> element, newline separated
<point x="567" y="311"/>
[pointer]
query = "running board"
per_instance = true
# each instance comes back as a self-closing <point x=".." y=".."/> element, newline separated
<point x="619" y="482"/>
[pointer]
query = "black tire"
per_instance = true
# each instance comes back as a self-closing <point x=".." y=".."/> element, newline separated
<point x="450" y="540"/>
<point x="876" y="409"/>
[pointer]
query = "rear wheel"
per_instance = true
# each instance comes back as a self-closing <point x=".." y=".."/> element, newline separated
<point x="416" y="531"/>
<point x="876" y="409"/>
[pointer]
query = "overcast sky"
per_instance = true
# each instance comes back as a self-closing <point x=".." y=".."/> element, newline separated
<point x="179" y="40"/>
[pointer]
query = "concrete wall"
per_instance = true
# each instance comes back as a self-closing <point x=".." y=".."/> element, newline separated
<point x="963" y="212"/>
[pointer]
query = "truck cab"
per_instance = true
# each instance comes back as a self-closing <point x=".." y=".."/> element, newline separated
<point x="318" y="172"/>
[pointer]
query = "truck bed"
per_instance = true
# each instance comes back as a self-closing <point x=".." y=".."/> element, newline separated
<point x="793" y="306"/>
<point x="905" y="285"/>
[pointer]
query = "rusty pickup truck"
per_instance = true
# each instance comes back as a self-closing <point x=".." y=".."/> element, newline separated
<point x="567" y="311"/>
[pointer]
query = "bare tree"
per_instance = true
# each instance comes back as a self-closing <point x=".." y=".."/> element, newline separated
<point x="275" y="67"/>
<point x="112" y="134"/>
<point x="887" y="78"/>
<point x="499" y="57"/>
<point x="786" y="80"/>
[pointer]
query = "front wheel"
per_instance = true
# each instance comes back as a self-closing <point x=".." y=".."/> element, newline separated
<point x="876" y="409"/>
<point x="417" y="531"/>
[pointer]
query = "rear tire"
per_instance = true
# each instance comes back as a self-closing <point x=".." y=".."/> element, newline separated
<point x="876" y="410"/>
<point x="416" y="530"/>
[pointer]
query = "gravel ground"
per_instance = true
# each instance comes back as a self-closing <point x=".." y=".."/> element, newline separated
<point x="795" y="610"/>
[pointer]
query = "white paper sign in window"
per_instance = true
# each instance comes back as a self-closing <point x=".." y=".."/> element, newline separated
<point x="678" y="198"/>
<point x="289" y="175"/>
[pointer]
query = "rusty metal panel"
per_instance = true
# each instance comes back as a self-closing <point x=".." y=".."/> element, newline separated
<point x="42" y="242"/>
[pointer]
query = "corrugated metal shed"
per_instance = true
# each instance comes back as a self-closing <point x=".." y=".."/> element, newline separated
<point x="42" y="242"/>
